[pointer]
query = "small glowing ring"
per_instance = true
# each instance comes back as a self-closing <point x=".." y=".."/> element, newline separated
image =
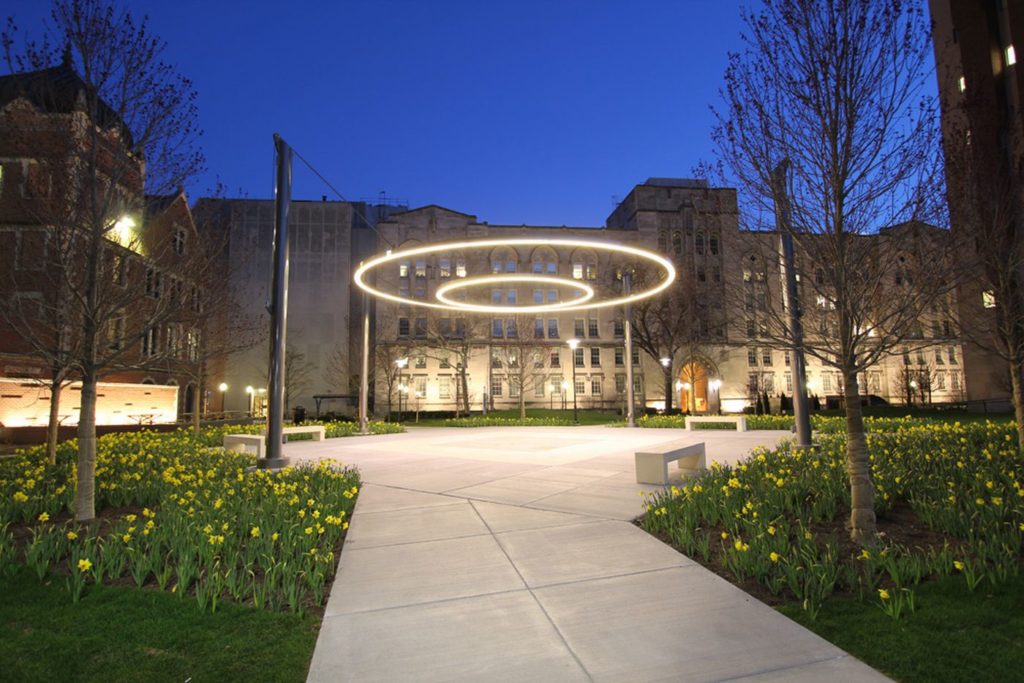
<point x="463" y="282"/>
<point x="390" y="256"/>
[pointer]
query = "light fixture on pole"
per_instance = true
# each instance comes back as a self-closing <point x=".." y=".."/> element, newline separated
<point x="574" y="344"/>
<point x="223" y="387"/>
<point x="715" y="385"/>
<point x="666" y="363"/>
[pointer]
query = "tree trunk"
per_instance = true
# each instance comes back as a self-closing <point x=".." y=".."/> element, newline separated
<point x="858" y="467"/>
<point x="53" y="426"/>
<point x="85" y="491"/>
<point x="1017" y="391"/>
<point x="465" y="387"/>
<point x="522" y="403"/>
<point x="196" y="400"/>
<point x="668" y="389"/>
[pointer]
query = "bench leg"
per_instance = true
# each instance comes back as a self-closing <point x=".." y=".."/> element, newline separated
<point x="651" y="471"/>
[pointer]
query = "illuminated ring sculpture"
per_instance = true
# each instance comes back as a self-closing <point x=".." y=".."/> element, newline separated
<point x="467" y="282"/>
<point x="579" y="304"/>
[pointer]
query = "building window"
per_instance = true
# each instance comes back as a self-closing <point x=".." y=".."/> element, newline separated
<point x="555" y="362"/>
<point x="497" y="328"/>
<point x="513" y="389"/>
<point x="787" y="359"/>
<point x="444" y="389"/>
<point x="578" y="357"/>
<point x="698" y="244"/>
<point x="511" y="330"/>
<point x="716" y="274"/>
<point x="789" y="382"/>
<point x="595" y="386"/>
<point x="538" y="386"/>
<point x="988" y="299"/>
<point x="951" y="354"/>
<point x="444" y="363"/>
<point x="636" y="356"/>
<point x="460" y="267"/>
<point x="553" y="328"/>
<point x="179" y="241"/>
<point x="662" y="241"/>
<point x="578" y="328"/>
<point x="119" y="269"/>
<point x="421" y="362"/>
<point x="939" y="359"/>
<point x="595" y="357"/>
<point x="752" y="358"/>
<point x="403" y="269"/>
<point x="149" y="342"/>
<point x="638" y="387"/>
<point x="751" y="329"/>
<point x="115" y="332"/>
<point x="403" y="327"/>
<point x="581" y="386"/>
<point x="444" y="268"/>
<point x="538" y="296"/>
<point x="154" y="285"/>
<point x="620" y="384"/>
<point x="620" y="356"/>
<point x="766" y="357"/>
<point x="538" y="328"/>
<point x="592" y="328"/>
<point x="591" y="271"/>
<point x="421" y="328"/>
<point x="495" y="358"/>
<point x="577" y="271"/>
<point x="618" y="329"/>
<point x="510" y="297"/>
<point x="713" y="245"/>
<point x="495" y="386"/>
<point x="677" y="243"/>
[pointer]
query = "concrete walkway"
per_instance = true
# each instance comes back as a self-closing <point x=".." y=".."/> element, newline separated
<point x="506" y="554"/>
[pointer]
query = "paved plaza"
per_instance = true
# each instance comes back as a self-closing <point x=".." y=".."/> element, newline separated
<point x="508" y="554"/>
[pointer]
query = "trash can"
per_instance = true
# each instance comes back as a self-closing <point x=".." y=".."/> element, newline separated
<point x="300" y="415"/>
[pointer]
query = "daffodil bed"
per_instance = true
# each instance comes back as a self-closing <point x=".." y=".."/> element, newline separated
<point x="949" y="497"/>
<point x="822" y="424"/>
<point x="181" y="514"/>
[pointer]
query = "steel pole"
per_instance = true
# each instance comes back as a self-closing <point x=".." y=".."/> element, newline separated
<point x="279" y="306"/>
<point x="783" y="217"/>
<point x="575" y="414"/>
<point x="364" y="376"/>
<point x="627" y="287"/>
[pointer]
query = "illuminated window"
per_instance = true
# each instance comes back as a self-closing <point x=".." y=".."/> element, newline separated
<point x="988" y="299"/>
<point x="592" y="330"/>
<point x="578" y="328"/>
<point x="403" y="269"/>
<point x="555" y="361"/>
<point x="460" y="267"/>
<point x="497" y="327"/>
<point x="444" y="268"/>
<point x="578" y="357"/>
<point x="577" y="271"/>
<point x="1011" y="56"/>
<point x="962" y="83"/>
<point x="421" y="268"/>
<point x="752" y="358"/>
<point x="553" y="328"/>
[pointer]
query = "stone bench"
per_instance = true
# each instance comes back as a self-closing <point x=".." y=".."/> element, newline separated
<point x="318" y="431"/>
<point x="652" y="465"/>
<point x="241" y="442"/>
<point x="739" y="420"/>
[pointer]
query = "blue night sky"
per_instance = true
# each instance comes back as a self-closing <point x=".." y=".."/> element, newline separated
<point x="517" y="112"/>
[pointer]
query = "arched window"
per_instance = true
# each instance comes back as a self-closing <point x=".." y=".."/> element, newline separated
<point x="698" y="244"/>
<point x="504" y="260"/>
<point x="677" y="242"/>
<point x="713" y="245"/>
<point x="662" y="241"/>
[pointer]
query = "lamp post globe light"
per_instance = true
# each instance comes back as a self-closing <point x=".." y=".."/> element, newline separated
<point x="574" y="344"/>
<point x="223" y="387"/>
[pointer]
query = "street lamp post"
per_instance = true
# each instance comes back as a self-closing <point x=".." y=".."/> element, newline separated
<point x="223" y="387"/>
<point x="565" y="388"/>
<point x="666" y="363"/>
<point x="715" y="385"/>
<point x="573" y="344"/>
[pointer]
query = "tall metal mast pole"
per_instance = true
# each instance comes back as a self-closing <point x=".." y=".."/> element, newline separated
<point x="279" y="306"/>
<point x="783" y="218"/>
<point x="364" y="375"/>
<point x="627" y="287"/>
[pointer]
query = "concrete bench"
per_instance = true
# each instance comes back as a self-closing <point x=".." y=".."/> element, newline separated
<point x="652" y="465"/>
<point x="241" y="442"/>
<point x="318" y="431"/>
<point x="739" y="420"/>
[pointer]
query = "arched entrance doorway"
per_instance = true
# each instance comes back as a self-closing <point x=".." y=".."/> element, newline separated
<point x="693" y="388"/>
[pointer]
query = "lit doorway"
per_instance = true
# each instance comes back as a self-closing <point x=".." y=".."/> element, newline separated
<point x="693" y="388"/>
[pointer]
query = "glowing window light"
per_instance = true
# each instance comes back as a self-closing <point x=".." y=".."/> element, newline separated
<point x="1011" y="56"/>
<point x="664" y="264"/>
<point x="443" y="290"/>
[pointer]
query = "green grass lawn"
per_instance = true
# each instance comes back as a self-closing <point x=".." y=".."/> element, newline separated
<point x="953" y="635"/>
<point x="124" y="634"/>
<point x="586" y="417"/>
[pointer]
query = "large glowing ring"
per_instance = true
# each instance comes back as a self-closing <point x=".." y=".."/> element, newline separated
<point x="464" y="282"/>
<point x="391" y="256"/>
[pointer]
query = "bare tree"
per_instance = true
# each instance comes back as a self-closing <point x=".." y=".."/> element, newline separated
<point x="131" y="122"/>
<point x="524" y="358"/>
<point x="297" y="374"/>
<point x="454" y="341"/>
<point x="833" y="91"/>
<point x="387" y="371"/>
